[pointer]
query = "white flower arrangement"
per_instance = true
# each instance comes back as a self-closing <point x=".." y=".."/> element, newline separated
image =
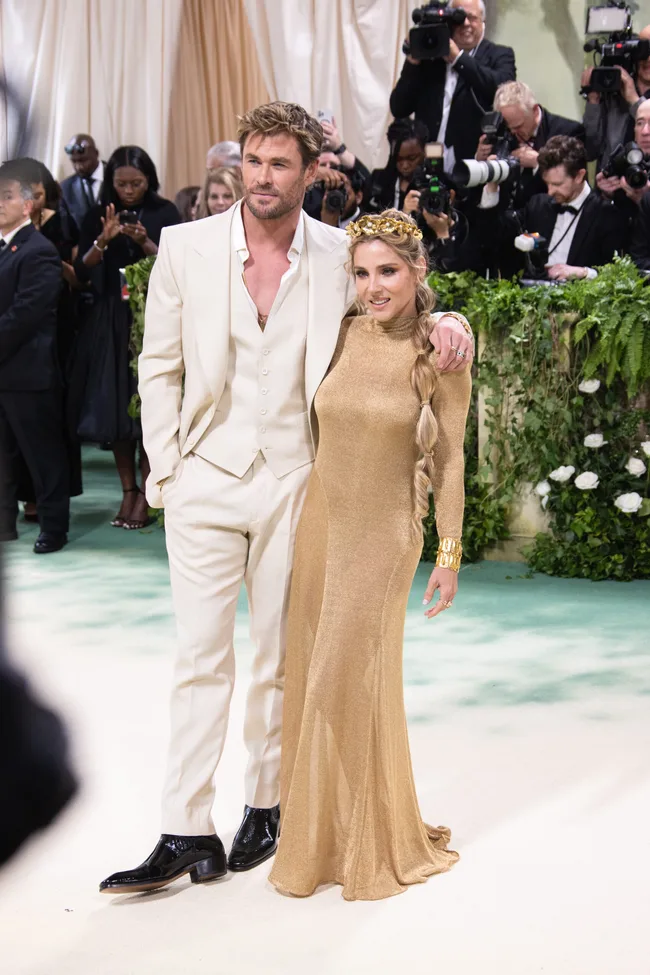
<point x="595" y="440"/>
<point x="645" y="447"/>
<point x="635" y="466"/>
<point x="589" y="385"/>
<point x="586" y="481"/>
<point x="562" y="474"/>
<point x="630" y="503"/>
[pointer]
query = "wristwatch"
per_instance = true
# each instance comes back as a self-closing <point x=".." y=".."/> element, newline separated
<point x="341" y="149"/>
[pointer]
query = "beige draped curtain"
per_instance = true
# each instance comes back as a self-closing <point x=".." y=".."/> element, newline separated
<point x="168" y="75"/>
<point x="217" y="77"/>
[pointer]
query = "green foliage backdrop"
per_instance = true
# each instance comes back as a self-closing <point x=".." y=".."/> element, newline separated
<point x="538" y="345"/>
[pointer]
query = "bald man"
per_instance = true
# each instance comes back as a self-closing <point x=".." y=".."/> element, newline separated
<point x="82" y="190"/>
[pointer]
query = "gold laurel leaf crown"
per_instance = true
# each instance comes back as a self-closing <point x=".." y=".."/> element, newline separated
<point x="371" y="225"/>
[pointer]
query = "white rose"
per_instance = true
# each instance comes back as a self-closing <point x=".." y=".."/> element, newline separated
<point x="543" y="488"/>
<point x="635" y="466"/>
<point x="589" y="385"/>
<point x="595" y="440"/>
<point x="629" y="503"/>
<point x="586" y="481"/>
<point x="562" y="474"/>
<point x="645" y="447"/>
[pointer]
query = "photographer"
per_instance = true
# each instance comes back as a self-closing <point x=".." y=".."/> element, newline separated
<point x="579" y="230"/>
<point x="527" y="128"/>
<point x="450" y="95"/>
<point x="389" y="187"/>
<point x="335" y="196"/>
<point x="609" y="118"/>
<point x="334" y="146"/>
<point x="616" y="187"/>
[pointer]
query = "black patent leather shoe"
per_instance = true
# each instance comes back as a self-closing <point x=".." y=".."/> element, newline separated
<point x="203" y="857"/>
<point x="256" y="839"/>
<point x="50" y="542"/>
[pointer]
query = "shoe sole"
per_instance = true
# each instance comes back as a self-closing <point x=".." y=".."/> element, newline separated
<point x="251" y="866"/>
<point x="159" y="884"/>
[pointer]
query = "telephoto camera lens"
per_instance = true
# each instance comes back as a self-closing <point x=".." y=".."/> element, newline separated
<point x="472" y="172"/>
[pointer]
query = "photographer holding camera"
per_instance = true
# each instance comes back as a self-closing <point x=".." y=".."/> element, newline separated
<point x="576" y="229"/>
<point x="625" y="177"/>
<point x="609" y="114"/>
<point x="335" y="196"/>
<point x="450" y="92"/>
<point x="521" y="127"/>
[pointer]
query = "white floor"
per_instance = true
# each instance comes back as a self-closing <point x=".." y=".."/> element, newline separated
<point x="549" y="806"/>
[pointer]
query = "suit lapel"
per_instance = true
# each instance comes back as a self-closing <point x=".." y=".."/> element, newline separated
<point x="208" y="297"/>
<point x="328" y="295"/>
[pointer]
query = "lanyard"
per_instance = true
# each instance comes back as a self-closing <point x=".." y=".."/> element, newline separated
<point x="555" y="246"/>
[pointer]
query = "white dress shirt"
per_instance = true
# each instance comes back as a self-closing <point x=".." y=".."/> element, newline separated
<point x="565" y="223"/>
<point x="564" y="232"/>
<point x="97" y="180"/>
<point x="451" y="81"/>
<point x="12" y="233"/>
<point x="295" y="250"/>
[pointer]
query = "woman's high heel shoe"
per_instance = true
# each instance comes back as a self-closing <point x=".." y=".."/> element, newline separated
<point x="119" y="521"/>
<point x="137" y="524"/>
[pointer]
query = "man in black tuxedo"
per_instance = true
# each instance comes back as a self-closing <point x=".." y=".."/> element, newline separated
<point x="81" y="191"/>
<point x="583" y="231"/>
<point x="451" y="95"/>
<point x="31" y="413"/>
<point x="530" y="126"/>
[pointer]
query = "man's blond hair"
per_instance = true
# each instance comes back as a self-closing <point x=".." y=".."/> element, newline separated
<point x="514" y="93"/>
<point x="280" y="118"/>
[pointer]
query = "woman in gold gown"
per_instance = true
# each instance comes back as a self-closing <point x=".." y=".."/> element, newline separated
<point x="390" y="426"/>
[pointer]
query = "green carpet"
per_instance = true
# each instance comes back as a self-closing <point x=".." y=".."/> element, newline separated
<point x="510" y="640"/>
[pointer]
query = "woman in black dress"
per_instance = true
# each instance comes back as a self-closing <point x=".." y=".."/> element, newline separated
<point x="122" y="229"/>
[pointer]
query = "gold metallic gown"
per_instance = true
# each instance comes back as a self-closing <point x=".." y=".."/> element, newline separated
<point x="348" y="804"/>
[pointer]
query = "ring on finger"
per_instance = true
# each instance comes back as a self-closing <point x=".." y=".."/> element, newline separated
<point x="448" y="604"/>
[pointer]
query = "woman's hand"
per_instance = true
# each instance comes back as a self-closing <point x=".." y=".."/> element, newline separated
<point x="446" y="581"/>
<point x="411" y="202"/>
<point x="136" y="231"/>
<point x="449" y="338"/>
<point x="110" y="226"/>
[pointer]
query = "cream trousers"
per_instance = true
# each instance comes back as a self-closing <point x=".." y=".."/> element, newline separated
<point x="220" y="530"/>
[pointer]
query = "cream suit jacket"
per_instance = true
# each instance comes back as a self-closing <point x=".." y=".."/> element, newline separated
<point x="187" y="331"/>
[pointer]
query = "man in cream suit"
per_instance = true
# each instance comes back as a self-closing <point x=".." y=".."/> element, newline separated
<point x="246" y="306"/>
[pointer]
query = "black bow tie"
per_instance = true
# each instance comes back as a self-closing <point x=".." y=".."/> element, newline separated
<point x="561" y="208"/>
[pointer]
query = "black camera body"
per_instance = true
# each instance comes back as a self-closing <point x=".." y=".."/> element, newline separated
<point x="128" y="217"/>
<point x="430" y="37"/>
<point x="629" y="162"/>
<point x="435" y="192"/>
<point x="622" y="49"/>
<point x="498" y="135"/>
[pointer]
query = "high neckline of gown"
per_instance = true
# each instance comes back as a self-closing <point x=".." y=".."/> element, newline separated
<point x="396" y="327"/>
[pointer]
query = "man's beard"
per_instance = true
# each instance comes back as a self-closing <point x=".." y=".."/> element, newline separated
<point x="280" y="206"/>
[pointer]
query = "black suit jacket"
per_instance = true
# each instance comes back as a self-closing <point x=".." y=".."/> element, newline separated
<point x="76" y="196"/>
<point x="640" y="242"/>
<point x="601" y="231"/>
<point x="30" y="283"/>
<point x="421" y="88"/>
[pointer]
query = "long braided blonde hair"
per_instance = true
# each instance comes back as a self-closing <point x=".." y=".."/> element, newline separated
<point x="408" y="246"/>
